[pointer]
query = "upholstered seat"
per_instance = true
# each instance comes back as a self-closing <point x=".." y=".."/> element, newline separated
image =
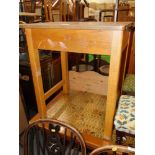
<point x="125" y="115"/>
<point x="128" y="87"/>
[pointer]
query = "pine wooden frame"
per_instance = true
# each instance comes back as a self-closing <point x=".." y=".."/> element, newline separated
<point x="94" y="38"/>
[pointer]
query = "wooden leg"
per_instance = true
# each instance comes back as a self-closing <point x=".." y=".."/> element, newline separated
<point x="77" y="62"/>
<point x="36" y="74"/>
<point x="98" y="62"/>
<point x="45" y="10"/>
<point x="87" y="59"/>
<point x="119" y="136"/>
<point x="113" y="84"/>
<point x="65" y="74"/>
<point x="95" y="62"/>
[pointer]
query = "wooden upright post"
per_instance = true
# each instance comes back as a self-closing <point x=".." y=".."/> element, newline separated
<point x="46" y="10"/>
<point x="50" y="11"/>
<point x="113" y="83"/>
<point x="36" y="74"/>
<point x="60" y="10"/>
<point x="65" y="73"/>
<point x="64" y="10"/>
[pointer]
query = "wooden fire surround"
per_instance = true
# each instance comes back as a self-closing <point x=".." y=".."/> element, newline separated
<point x="87" y="37"/>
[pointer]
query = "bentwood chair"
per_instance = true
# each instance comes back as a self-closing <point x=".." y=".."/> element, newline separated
<point x="113" y="150"/>
<point x="52" y="137"/>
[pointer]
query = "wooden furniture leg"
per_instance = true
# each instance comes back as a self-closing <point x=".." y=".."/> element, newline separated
<point x="45" y="10"/>
<point x="65" y="73"/>
<point x="36" y="74"/>
<point x="113" y="83"/>
<point x="119" y="137"/>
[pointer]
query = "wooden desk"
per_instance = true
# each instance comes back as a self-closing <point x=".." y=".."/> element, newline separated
<point x="85" y="37"/>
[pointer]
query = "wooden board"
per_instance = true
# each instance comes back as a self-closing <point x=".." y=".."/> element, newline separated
<point x="71" y="40"/>
<point x="79" y="25"/>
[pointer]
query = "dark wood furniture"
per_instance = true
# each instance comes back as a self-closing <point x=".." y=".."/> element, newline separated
<point x="121" y="137"/>
<point x="113" y="150"/>
<point x="28" y="11"/>
<point x="120" y="12"/>
<point x="52" y="137"/>
<point x="131" y="58"/>
<point x="51" y="74"/>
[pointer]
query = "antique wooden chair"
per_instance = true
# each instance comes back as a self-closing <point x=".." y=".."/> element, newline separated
<point x="113" y="150"/>
<point x="52" y="137"/>
<point x="125" y="118"/>
<point x="30" y="6"/>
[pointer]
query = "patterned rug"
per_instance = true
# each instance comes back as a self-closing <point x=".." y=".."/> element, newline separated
<point x="83" y="110"/>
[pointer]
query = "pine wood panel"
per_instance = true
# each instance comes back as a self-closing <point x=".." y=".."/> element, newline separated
<point x="71" y="40"/>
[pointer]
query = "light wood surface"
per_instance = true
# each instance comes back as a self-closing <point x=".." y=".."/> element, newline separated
<point x="36" y="74"/>
<point x="65" y="74"/>
<point x="87" y="37"/>
<point x="94" y="41"/>
<point x="53" y="89"/>
<point x="28" y="14"/>
<point x="113" y="82"/>
<point x="79" y="25"/>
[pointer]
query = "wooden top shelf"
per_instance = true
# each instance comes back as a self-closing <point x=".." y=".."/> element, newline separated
<point x="79" y="25"/>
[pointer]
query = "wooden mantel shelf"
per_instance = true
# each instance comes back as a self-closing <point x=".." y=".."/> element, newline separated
<point x="79" y="25"/>
<point x="80" y="37"/>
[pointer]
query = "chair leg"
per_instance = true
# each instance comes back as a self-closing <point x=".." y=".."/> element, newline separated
<point x="119" y="136"/>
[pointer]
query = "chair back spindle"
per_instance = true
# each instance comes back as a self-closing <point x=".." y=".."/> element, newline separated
<point x="52" y="137"/>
